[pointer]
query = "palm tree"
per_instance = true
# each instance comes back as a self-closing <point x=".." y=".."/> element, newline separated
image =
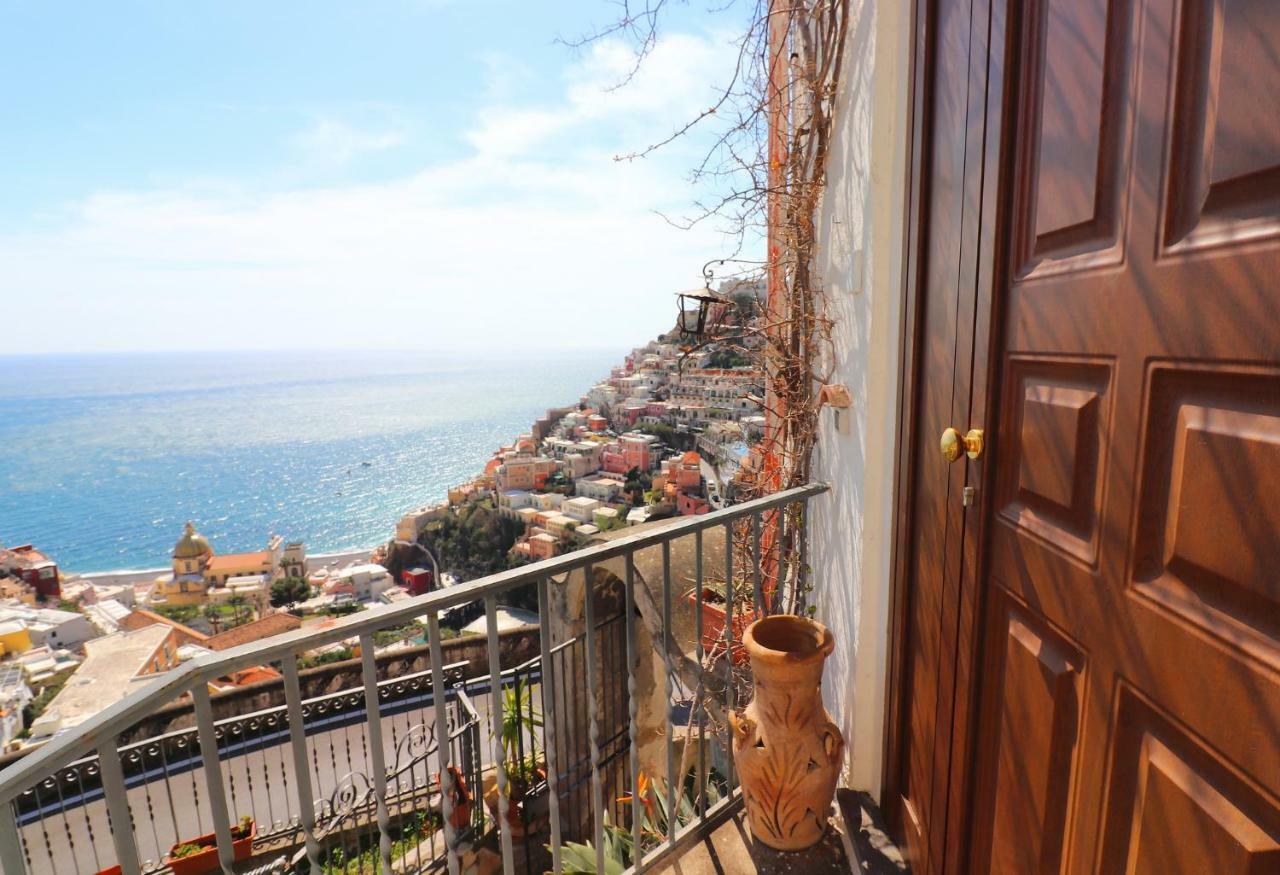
<point x="210" y="613"/>
<point x="238" y="608"/>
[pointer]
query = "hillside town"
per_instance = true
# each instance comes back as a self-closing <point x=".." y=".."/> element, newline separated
<point x="663" y="435"/>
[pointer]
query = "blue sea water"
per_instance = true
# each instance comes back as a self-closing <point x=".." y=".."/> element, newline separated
<point x="104" y="457"/>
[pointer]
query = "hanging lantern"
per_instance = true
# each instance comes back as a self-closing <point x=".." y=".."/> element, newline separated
<point x="701" y="313"/>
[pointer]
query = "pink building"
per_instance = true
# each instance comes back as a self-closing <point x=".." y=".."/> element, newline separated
<point x="637" y="451"/>
<point x="543" y="546"/>
<point x="612" y="459"/>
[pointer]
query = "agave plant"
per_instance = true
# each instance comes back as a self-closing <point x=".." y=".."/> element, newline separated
<point x="579" y="858"/>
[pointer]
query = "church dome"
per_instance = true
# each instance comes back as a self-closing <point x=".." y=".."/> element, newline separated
<point x="192" y="544"/>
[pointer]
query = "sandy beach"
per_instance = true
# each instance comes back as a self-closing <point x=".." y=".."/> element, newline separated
<point x="141" y="575"/>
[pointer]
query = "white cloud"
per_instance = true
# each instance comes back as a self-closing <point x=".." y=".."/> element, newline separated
<point x="334" y="143"/>
<point x="675" y="83"/>
<point x="539" y="239"/>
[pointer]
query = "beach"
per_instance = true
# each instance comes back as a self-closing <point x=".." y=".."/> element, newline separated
<point x="145" y="575"/>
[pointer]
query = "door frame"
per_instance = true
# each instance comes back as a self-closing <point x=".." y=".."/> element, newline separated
<point x="918" y="126"/>
<point x="993" y="240"/>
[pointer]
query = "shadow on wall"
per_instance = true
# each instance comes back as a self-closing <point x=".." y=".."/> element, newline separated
<point x="844" y="519"/>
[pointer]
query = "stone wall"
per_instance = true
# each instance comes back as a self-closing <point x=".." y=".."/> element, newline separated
<point x="515" y="646"/>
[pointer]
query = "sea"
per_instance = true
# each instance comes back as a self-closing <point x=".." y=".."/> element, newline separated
<point x="103" y="458"/>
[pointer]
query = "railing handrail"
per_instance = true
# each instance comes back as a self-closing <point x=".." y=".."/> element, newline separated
<point x="269" y="711"/>
<point x="107" y="724"/>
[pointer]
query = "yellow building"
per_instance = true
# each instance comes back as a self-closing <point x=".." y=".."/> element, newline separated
<point x="177" y="592"/>
<point x="191" y="554"/>
<point x="14" y="638"/>
<point x="187" y="585"/>
<point x="200" y="577"/>
<point x="219" y="569"/>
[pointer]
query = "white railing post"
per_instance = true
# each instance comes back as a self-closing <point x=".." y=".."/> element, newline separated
<point x="301" y="764"/>
<point x="633" y="707"/>
<point x="593" y="724"/>
<point x="672" y="778"/>
<point x="700" y="692"/>
<point x="728" y="635"/>
<point x="213" y="774"/>
<point x="377" y="756"/>
<point x="550" y="732"/>
<point x="495" y="713"/>
<point x="444" y="744"/>
<point x="11" y="862"/>
<point x="755" y="571"/>
<point x="118" y="808"/>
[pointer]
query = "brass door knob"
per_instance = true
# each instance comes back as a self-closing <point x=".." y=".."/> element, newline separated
<point x="954" y="445"/>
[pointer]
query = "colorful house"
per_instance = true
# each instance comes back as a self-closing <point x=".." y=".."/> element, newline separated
<point x="637" y="451"/>
<point x="686" y="472"/>
<point x="688" y="504"/>
<point x="14" y="637"/>
<point x="417" y="581"/>
<point x="34" y="568"/>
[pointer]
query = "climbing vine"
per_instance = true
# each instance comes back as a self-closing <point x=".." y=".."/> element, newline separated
<point x="761" y="181"/>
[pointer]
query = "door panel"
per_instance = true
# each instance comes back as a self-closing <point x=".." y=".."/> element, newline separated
<point x="1056" y="424"/>
<point x="1134" y="532"/>
<point x="1224" y="179"/>
<point x="1069" y="214"/>
<point x="929" y="652"/>
<point x="1038" y="703"/>
<point x="1178" y="808"/>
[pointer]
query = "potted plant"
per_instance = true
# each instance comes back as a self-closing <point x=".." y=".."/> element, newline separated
<point x="200" y="855"/>
<point x="714" y="615"/>
<point x="526" y="775"/>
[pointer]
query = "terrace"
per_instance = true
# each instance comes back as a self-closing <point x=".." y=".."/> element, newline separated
<point x="621" y="685"/>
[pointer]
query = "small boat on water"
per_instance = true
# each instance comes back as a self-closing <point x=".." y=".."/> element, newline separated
<point x="366" y="464"/>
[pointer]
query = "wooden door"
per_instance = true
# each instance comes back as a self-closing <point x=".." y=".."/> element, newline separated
<point x="1130" y="673"/>
<point x="951" y="96"/>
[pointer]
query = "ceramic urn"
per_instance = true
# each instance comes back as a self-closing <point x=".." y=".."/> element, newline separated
<point x="787" y="751"/>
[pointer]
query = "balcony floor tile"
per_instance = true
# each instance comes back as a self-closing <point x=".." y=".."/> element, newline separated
<point x="731" y="849"/>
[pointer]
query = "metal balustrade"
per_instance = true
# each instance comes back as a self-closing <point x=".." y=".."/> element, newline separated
<point x="357" y="780"/>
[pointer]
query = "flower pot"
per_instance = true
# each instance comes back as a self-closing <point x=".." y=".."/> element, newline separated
<point x="523" y="815"/>
<point x="460" y="798"/>
<point x="207" y="859"/>
<point x="514" y="822"/>
<point x="713" y="622"/>
<point x="786" y="749"/>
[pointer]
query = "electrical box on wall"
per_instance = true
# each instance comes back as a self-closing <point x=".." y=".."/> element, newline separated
<point x="837" y="397"/>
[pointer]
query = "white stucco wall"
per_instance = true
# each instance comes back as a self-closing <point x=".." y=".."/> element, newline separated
<point x="859" y="261"/>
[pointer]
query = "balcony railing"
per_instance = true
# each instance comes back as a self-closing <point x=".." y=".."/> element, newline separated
<point x="359" y="779"/>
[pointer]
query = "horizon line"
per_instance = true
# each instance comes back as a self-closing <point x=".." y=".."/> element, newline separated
<point x="442" y="350"/>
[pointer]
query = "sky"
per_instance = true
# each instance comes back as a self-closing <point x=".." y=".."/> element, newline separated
<point x="406" y="174"/>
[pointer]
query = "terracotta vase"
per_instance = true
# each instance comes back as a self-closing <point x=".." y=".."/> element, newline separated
<point x="786" y="750"/>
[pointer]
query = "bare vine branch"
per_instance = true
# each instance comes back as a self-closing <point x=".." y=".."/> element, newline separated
<point x="781" y="88"/>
